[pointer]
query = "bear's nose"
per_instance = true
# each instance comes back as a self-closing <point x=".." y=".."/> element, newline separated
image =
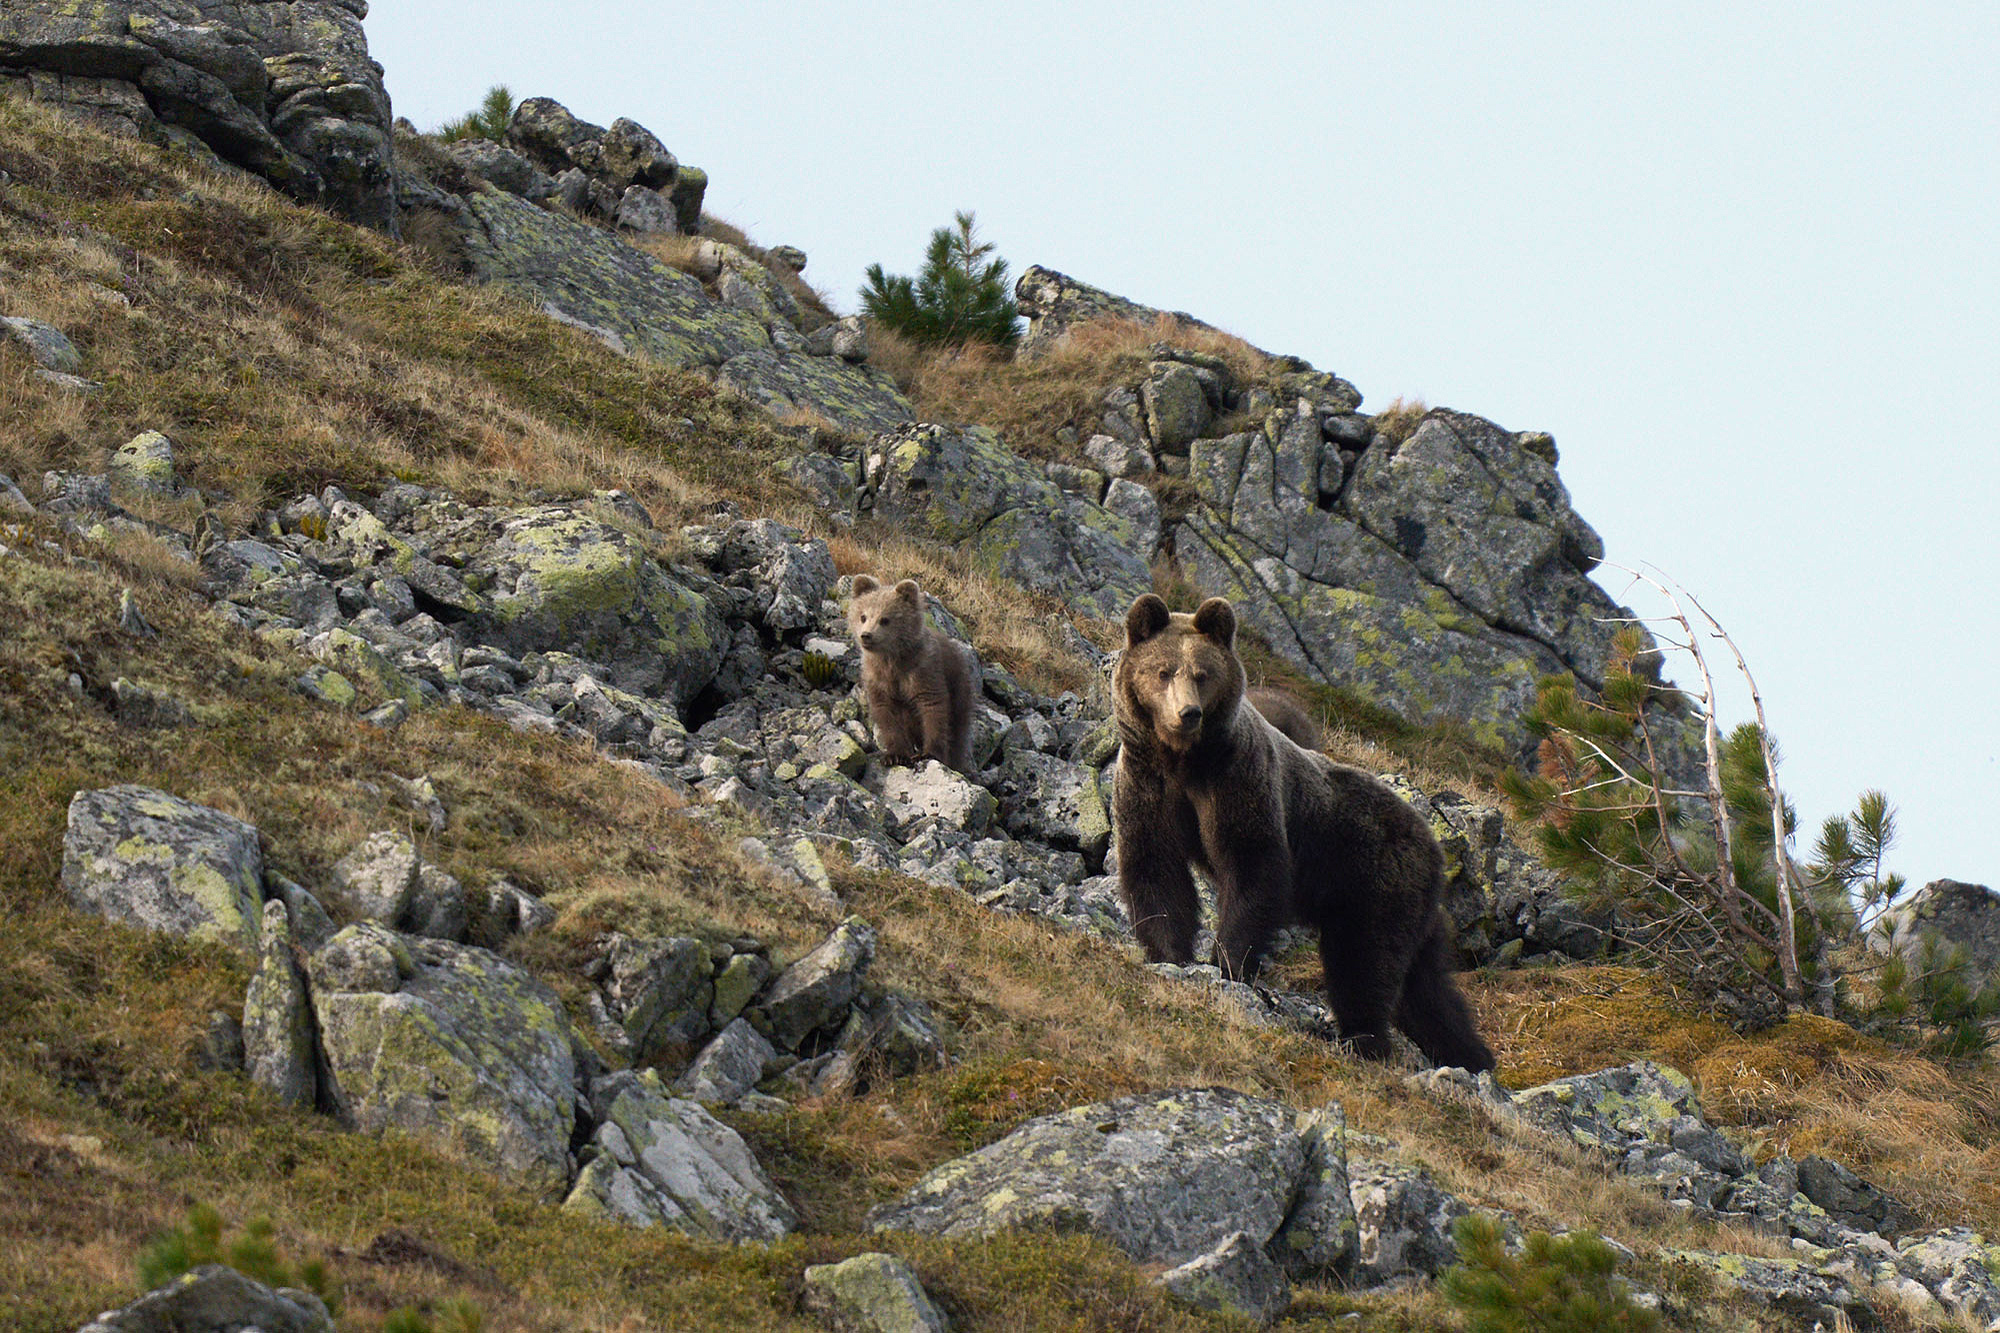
<point x="1190" y="715"/>
<point x="867" y="638"/>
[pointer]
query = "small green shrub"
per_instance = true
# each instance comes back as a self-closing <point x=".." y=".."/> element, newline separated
<point x="1555" y="1285"/>
<point x="489" y="120"/>
<point x="253" y="1253"/>
<point x="960" y="297"/>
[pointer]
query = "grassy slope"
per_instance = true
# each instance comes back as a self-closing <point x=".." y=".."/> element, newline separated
<point x="281" y="350"/>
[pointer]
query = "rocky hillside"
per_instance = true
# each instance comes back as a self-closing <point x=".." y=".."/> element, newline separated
<point x="440" y="823"/>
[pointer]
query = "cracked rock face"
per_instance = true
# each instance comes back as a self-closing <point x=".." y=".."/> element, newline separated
<point x="284" y="90"/>
<point x="661" y="1161"/>
<point x="964" y="487"/>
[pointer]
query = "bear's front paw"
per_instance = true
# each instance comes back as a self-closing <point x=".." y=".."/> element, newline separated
<point x="907" y="758"/>
<point x="1371" y="1045"/>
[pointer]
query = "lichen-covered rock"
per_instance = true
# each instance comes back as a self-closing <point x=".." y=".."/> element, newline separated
<point x="48" y="345"/>
<point x="286" y="91"/>
<point x="1055" y="302"/>
<point x="1959" y="1266"/>
<point x="1051" y="800"/>
<point x="501" y="166"/>
<point x="871" y="1293"/>
<point x="1402" y="1223"/>
<point x="1790" y="1286"/>
<point x="1236" y="1277"/>
<point x="1176" y="408"/>
<point x="375" y="881"/>
<point x="1852" y="1201"/>
<point x="144" y="463"/>
<point x="153" y="860"/>
<point x="729" y="1066"/>
<point x="591" y="278"/>
<point x="1961" y="916"/>
<point x="554" y="578"/>
<point x="1319" y="1236"/>
<point x="216" y="1299"/>
<point x="1613" y="1108"/>
<point x="964" y="487"/>
<point x="932" y="791"/>
<point x="659" y="992"/>
<point x="1164" y="1176"/>
<point x="449" y="1043"/>
<point x="816" y="991"/>
<point x="277" y="1016"/>
<point x="661" y="1161"/>
<point x="1491" y="524"/>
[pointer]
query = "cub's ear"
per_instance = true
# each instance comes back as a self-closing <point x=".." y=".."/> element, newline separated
<point x="1215" y="619"/>
<point x="865" y="583"/>
<point x="909" y="592"/>
<point x="1147" y="617"/>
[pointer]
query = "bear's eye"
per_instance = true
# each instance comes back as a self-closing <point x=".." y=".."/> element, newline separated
<point x="1200" y="677"/>
<point x="1166" y="673"/>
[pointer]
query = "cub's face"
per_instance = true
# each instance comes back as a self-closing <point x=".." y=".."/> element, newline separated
<point x="886" y="620"/>
<point x="1179" y="677"/>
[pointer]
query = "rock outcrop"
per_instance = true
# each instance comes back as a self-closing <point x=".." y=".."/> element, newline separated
<point x="213" y="1297"/>
<point x="283" y="89"/>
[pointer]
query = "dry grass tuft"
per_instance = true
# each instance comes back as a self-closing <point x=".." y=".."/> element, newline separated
<point x="1399" y="420"/>
<point x="1920" y="1128"/>
<point x="1028" y="400"/>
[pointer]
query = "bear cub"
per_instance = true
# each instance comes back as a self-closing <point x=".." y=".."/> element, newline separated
<point x="920" y="684"/>
<point x="1285" y="835"/>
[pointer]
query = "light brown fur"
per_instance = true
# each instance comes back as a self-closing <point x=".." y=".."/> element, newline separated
<point x="1284" y="834"/>
<point x="920" y="684"/>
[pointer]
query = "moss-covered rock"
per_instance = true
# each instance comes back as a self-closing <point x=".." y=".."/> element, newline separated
<point x="449" y="1043"/>
<point x="153" y="860"/>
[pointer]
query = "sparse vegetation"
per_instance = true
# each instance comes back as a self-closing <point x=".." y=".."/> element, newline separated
<point x="1555" y="1285"/>
<point x="1399" y="420"/>
<point x="960" y="298"/>
<point x="488" y="120"/>
<point x="253" y="1252"/>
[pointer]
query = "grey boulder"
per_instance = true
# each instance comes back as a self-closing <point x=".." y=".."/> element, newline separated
<point x="448" y="1043"/>
<point x="662" y="1161"/>
<point x="1164" y="1176"/>
<point x="215" y="1299"/>
<point x="153" y="860"/>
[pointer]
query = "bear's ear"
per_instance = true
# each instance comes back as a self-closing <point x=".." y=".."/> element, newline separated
<point x="865" y="583"/>
<point x="909" y="592"/>
<point x="1215" y="619"/>
<point x="1147" y="617"/>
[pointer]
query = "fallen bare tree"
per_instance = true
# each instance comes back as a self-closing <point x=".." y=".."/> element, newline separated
<point x="1702" y="875"/>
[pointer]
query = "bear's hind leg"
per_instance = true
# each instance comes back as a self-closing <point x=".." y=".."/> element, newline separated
<point x="1362" y="988"/>
<point x="1433" y="1012"/>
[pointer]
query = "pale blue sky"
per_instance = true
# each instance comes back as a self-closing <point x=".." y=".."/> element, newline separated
<point x="1742" y="261"/>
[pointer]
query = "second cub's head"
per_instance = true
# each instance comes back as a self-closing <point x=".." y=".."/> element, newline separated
<point x="883" y="620"/>
<point x="1179" y="677"/>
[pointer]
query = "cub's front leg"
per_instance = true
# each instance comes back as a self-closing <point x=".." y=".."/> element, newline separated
<point x="896" y="724"/>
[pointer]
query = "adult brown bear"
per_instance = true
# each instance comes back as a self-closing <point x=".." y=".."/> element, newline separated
<point x="1284" y="835"/>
